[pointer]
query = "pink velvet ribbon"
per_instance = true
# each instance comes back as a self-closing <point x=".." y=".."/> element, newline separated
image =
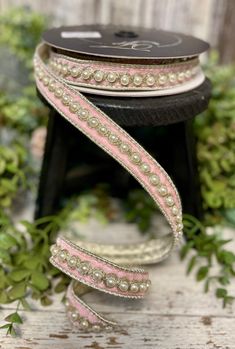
<point x="82" y="265"/>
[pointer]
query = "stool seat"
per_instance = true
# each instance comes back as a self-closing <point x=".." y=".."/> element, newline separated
<point x="155" y="111"/>
<point x="163" y="125"/>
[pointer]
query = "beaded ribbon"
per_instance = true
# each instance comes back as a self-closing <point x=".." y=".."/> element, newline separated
<point x="97" y="266"/>
<point x="116" y="76"/>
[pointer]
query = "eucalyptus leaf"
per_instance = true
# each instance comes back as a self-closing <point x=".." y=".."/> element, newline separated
<point x="19" y="274"/>
<point x="14" y="318"/>
<point x="17" y="291"/>
<point x="39" y="280"/>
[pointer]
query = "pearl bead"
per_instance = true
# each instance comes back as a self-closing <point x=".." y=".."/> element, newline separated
<point x="134" y="287"/>
<point x="93" y="122"/>
<point x="162" y="190"/>
<point x="66" y="99"/>
<point x="72" y="262"/>
<point x="112" y="77"/>
<point x="40" y="75"/>
<point x="135" y="158"/>
<point x="63" y="255"/>
<point x="113" y="138"/>
<point x="174" y="211"/>
<point x="111" y="280"/>
<point x="154" y="179"/>
<point x="125" y="79"/>
<point x="73" y="107"/>
<point x="169" y="201"/>
<point x="97" y="275"/>
<point x="52" y="86"/>
<point x="58" y="92"/>
<point x="86" y="74"/>
<point x="143" y="287"/>
<point x="150" y="80"/>
<point x="96" y="328"/>
<point x="172" y="78"/>
<point x="179" y="227"/>
<point x="45" y="80"/>
<point x="74" y="71"/>
<point x="148" y="283"/>
<point x="103" y="130"/>
<point x="162" y="79"/>
<point x="84" y="324"/>
<point x="98" y="76"/>
<point x="54" y="250"/>
<point x="83" y="114"/>
<point x="145" y="168"/>
<point x="138" y="79"/>
<point x="125" y="148"/>
<point x="59" y="67"/>
<point x="108" y="329"/>
<point x="74" y="316"/>
<point x="64" y="70"/>
<point x="178" y="219"/>
<point x="123" y="285"/>
<point x="188" y="74"/>
<point x="181" y="76"/>
<point x="37" y="69"/>
<point x="84" y="268"/>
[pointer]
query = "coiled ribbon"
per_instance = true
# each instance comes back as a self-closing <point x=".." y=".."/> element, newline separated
<point x="59" y="78"/>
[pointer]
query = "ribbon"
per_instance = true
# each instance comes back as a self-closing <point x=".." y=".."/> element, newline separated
<point x="59" y="78"/>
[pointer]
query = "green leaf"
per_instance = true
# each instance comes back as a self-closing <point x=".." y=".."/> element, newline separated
<point x="191" y="264"/>
<point x="60" y="287"/>
<point x="32" y="262"/>
<point x="227" y="300"/>
<point x="19" y="274"/>
<point x="223" y="280"/>
<point x="3" y="297"/>
<point x="17" y="291"/>
<point x="207" y="285"/>
<point x="7" y="241"/>
<point x="11" y="330"/>
<point x="226" y="257"/>
<point x="39" y="280"/>
<point x="14" y="318"/>
<point x="46" y="301"/>
<point x="5" y="326"/>
<point x="202" y="273"/>
<point x="221" y="292"/>
<point x="4" y="256"/>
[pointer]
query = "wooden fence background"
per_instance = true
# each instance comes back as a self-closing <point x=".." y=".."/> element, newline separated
<point x="212" y="20"/>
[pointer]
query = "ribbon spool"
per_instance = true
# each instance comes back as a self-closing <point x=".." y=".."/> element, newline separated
<point x="110" y="61"/>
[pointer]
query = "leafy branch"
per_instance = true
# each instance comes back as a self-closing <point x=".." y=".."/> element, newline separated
<point x="207" y="250"/>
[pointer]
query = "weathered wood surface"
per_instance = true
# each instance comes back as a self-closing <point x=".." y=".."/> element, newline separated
<point x="176" y="314"/>
<point x="212" y="20"/>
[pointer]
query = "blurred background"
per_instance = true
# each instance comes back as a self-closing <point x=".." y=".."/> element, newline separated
<point x="211" y="20"/>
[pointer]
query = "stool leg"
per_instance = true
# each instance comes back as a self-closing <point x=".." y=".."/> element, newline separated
<point x="53" y="166"/>
<point x="185" y="167"/>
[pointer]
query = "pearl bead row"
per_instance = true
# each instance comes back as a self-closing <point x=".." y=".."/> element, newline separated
<point x="83" y="323"/>
<point x="125" y="79"/>
<point x="110" y="280"/>
<point x="124" y="148"/>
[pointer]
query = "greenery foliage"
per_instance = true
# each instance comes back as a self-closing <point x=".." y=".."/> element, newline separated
<point x="24" y="250"/>
<point x="215" y="130"/>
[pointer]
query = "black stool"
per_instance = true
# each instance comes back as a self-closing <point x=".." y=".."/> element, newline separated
<point x="163" y="125"/>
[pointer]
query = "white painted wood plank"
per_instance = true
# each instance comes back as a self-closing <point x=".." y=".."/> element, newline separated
<point x="175" y="314"/>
